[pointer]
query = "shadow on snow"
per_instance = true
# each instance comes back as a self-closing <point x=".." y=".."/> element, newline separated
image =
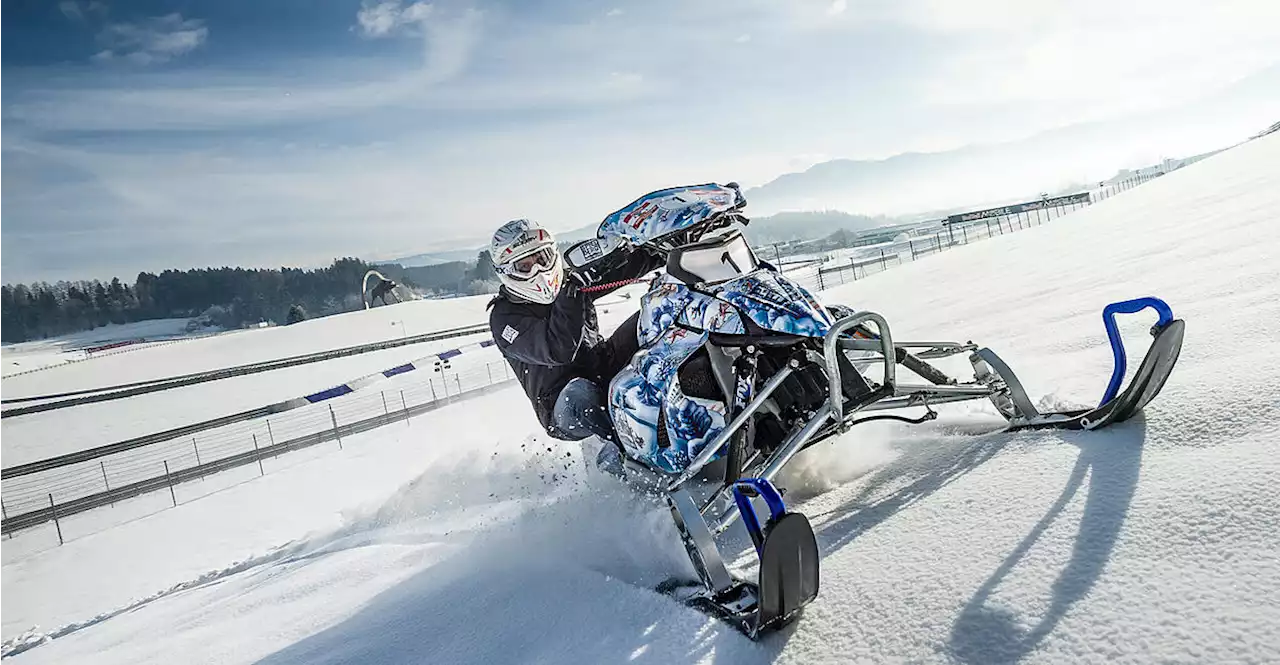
<point x="1111" y="460"/>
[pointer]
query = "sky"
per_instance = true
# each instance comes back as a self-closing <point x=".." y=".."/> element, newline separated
<point x="159" y="134"/>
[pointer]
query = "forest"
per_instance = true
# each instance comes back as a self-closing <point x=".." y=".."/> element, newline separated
<point x="222" y="297"/>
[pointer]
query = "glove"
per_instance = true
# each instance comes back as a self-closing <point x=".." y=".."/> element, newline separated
<point x="580" y="278"/>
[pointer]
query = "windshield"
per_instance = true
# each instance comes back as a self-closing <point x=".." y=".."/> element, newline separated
<point x="713" y="260"/>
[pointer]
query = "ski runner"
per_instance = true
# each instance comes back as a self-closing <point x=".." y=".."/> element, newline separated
<point x="545" y="325"/>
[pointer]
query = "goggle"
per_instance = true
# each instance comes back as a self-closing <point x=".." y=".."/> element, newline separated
<point x="530" y="264"/>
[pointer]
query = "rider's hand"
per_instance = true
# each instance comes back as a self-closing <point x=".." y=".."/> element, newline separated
<point x="583" y="277"/>
<point x="574" y="283"/>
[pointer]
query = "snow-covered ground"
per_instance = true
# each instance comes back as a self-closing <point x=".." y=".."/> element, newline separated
<point x="73" y="347"/>
<point x="470" y="537"/>
<point x="45" y="434"/>
<point x="253" y="345"/>
<point x="48" y="433"/>
<point x="390" y="322"/>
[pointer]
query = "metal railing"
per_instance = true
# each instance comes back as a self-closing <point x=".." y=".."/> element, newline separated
<point x="838" y="272"/>
<point x="88" y="396"/>
<point x="55" y="493"/>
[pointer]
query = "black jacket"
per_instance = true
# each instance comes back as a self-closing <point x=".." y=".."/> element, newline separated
<point x="549" y="345"/>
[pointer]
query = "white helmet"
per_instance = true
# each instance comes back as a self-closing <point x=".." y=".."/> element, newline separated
<point x="527" y="261"/>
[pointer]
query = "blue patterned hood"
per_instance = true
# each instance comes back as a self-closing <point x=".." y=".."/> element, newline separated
<point x="776" y="303"/>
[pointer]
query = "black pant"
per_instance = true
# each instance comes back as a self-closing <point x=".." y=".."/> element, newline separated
<point x="580" y="410"/>
<point x="621" y="345"/>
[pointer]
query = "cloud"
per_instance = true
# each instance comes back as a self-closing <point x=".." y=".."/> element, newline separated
<point x="153" y="40"/>
<point x="71" y="10"/>
<point x="448" y="39"/>
<point x="349" y="143"/>
<point x="79" y="10"/>
<point x="380" y="19"/>
<point x="1099" y="57"/>
<point x="837" y="7"/>
<point x="447" y="42"/>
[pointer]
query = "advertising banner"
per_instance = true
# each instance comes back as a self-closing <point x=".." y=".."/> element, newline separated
<point x="1056" y="202"/>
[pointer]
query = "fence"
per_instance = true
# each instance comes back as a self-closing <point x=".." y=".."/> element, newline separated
<point x="54" y="493"/>
<point x="88" y="396"/>
<point x="948" y="235"/>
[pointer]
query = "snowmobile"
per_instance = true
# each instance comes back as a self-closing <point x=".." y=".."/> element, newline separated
<point x="741" y="366"/>
<point x="383" y="289"/>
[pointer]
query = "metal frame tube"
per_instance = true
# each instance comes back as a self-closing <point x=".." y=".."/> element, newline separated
<point x="722" y="438"/>
<point x="932" y="350"/>
<point x="916" y="399"/>
<point x="779" y="460"/>
<point x="936" y="350"/>
<point x="940" y="345"/>
<point x="830" y="350"/>
<point x="933" y="389"/>
<point x="786" y="452"/>
<point x="711" y="564"/>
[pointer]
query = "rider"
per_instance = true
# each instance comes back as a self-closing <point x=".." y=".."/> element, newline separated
<point x="381" y="289"/>
<point x="545" y="326"/>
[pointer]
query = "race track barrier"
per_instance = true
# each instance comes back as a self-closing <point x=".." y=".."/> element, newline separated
<point x="121" y="391"/>
<point x="55" y="488"/>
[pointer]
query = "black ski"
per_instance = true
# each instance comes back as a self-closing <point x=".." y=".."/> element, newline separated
<point x="786" y="581"/>
<point x="1147" y="382"/>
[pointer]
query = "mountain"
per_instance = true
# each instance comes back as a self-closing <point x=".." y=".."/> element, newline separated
<point x="809" y="224"/>
<point x="435" y="258"/>
<point x="968" y="177"/>
<point x="975" y="176"/>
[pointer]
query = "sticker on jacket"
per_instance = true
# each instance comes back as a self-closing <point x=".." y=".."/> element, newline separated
<point x="510" y="334"/>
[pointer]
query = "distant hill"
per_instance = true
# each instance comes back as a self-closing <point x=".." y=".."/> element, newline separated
<point x="804" y="225"/>
<point x="979" y="175"/>
<point x="435" y="258"/>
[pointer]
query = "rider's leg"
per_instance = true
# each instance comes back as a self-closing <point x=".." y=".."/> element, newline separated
<point x="579" y="413"/>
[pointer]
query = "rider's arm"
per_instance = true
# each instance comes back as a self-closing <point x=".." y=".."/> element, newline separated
<point x="637" y="264"/>
<point x="641" y="262"/>
<point x="550" y="341"/>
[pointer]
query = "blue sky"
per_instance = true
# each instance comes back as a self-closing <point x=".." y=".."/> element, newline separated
<point x="149" y="135"/>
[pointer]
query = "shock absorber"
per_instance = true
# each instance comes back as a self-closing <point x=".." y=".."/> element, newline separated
<point x="925" y="370"/>
<point x="745" y="372"/>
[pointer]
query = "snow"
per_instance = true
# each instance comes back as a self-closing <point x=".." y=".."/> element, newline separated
<point x="464" y="538"/>
<point x="45" y="434"/>
<point x="255" y="345"/>
<point x="36" y="355"/>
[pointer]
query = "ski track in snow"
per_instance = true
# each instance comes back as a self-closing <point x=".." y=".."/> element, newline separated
<point x="1152" y="541"/>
